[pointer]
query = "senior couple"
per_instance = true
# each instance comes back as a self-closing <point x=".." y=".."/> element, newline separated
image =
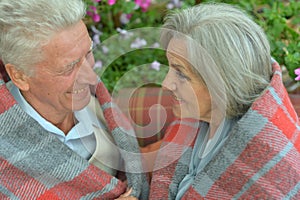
<point x="236" y="134"/>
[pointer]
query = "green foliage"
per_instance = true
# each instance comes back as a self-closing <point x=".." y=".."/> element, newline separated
<point x="279" y="19"/>
<point x="281" y="23"/>
<point x="133" y="69"/>
<point x="123" y="66"/>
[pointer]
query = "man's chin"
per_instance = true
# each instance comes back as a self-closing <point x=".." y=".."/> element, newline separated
<point x="80" y="104"/>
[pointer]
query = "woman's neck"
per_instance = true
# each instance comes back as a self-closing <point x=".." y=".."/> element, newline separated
<point x="214" y="124"/>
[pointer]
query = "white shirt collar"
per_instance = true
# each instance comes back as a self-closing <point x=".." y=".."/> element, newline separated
<point x="86" y="118"/>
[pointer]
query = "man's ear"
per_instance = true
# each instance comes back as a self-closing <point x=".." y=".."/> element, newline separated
<point x="18" y="77"/>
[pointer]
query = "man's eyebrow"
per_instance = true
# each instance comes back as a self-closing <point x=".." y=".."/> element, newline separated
<point x="73" y="62"/>
<point x="92" y="45"/>
<point x="78" y="60"/>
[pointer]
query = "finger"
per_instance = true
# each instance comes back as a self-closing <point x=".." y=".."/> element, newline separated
<point x="127" y="198"/>
<point x="127" y="193"/>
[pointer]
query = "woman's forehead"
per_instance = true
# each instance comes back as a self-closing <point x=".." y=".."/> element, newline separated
<point x="177" y="47"/>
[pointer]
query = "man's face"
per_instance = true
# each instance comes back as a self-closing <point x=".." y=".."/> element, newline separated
<point x="61" y="83"/>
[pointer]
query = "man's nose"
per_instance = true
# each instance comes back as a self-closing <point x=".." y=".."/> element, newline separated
<point x="86" y="74"/>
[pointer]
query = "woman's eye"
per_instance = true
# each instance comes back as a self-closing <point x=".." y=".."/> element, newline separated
<point x="182" y="75"/>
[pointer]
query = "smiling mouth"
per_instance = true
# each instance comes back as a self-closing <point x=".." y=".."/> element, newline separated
<point x="78" y="91"/>
<point x="176" y="99"/>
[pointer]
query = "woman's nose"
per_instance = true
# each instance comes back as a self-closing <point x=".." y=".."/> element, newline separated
<point x="168" y="82"/>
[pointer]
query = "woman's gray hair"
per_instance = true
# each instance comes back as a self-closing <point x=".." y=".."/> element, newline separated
<point x="25" y="26"/>
<point x="233" y="52"/>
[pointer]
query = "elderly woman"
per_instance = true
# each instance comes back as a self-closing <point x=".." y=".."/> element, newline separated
<point x="237" y="134"/>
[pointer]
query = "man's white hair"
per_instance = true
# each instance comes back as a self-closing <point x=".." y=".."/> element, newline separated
<point x="25" y="26"/>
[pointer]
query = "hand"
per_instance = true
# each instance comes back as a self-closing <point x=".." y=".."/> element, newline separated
<point x="126" y="195"/>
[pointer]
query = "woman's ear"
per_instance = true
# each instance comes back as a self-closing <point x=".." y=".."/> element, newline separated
<point x="18" y="77"/>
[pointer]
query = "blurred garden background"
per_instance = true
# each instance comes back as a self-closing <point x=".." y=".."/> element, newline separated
<point x="125" y="58"/>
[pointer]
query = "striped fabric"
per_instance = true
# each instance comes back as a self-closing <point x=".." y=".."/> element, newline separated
<point x="125" y="138"/>
<point x="36" y="165"/>
<point x="149" y="109"/>
<point x="259" y="160"/>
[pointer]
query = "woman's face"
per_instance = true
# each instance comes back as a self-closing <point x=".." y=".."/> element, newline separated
<point x="191" y="98"/>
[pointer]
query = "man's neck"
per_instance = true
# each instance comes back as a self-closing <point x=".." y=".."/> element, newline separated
<point x="66" y="124"/>
<point x="65" y="121"/>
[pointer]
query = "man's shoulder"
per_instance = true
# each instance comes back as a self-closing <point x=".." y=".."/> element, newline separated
<point x="9" y="85"/>
<point x="95" y="107"/>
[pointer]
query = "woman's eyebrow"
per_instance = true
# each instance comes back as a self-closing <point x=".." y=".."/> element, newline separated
<point x="178" y="67"/>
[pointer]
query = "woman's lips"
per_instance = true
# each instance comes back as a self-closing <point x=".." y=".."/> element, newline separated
<point x="176" y="100"/>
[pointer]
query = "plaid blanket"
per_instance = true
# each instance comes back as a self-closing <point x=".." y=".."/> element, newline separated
<point x="149" y="109"/>
<point x="259" y="160"/>
<point x="36" y="165"/>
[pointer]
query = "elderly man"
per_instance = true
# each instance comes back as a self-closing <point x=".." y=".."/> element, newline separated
<point x="53" y="127"/>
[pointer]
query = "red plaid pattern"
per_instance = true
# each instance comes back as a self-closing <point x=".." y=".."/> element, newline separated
<point x="88" y="182"/>
<point x="143" y="105"/>
<point x="36" y="165"/>
<point x="259" y="160"/>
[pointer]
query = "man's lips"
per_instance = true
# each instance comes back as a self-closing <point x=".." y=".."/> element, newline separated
<point x="79" y="94"/>
<point x="78" y="91"/>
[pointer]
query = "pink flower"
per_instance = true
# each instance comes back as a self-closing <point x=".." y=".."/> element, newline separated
<point x="96" y="39"/>
<point x="96" y="17"/>
<point x="98" y="64"/>
<point x="111" y="2"/>
<point x="144" y="4"/>
<point x="105" y="49"/>
<point x="93" y="8"/>
<point x="138" y="43"/>
<point x="297" y="72"/>
<point x="89" y="13"/>
<point x="155" y="65"/>
<point x="94" y="14"/>
<point x="125" y="18"/>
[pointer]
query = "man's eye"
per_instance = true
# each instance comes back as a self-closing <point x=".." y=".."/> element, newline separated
<point x="89" y="54"/>
<point x="69" y="71"/>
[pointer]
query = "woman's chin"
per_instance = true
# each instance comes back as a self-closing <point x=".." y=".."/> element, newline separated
<point x="183" y="113"/>
<point x="179" y="113"/>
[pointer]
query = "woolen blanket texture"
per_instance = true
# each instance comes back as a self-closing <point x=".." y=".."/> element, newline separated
<point x="259" y="160"/>
<point x="149" y="109"/>
<point x="34" y="164"/>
